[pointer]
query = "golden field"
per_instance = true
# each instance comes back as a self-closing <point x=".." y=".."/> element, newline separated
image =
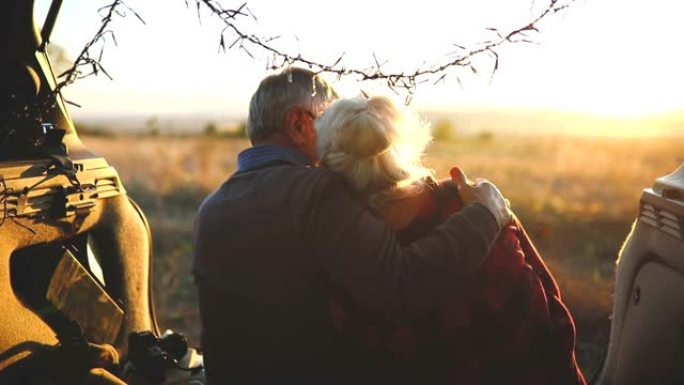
<point x="577" y="198"/>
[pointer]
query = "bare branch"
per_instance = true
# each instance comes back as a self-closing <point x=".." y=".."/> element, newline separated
<point x="407" y="81"/>
<point x="404" y="80"/>
<point x="103" y="34"/>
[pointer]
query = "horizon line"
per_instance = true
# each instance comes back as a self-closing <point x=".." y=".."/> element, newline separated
<point x="77" y="114"/>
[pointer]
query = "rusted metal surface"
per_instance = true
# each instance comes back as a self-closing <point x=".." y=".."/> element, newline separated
<point x="76" y="294"/>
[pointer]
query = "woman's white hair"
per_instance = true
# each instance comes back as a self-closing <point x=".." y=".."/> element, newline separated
<point x="376" y="144"/>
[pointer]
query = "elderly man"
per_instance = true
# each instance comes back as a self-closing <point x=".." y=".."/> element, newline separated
<point x="271" y="241"/>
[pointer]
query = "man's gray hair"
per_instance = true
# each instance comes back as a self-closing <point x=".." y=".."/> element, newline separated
<point x="292" y="87"/>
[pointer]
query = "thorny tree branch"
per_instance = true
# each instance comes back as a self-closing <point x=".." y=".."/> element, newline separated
<point x="85" y="64"/>
<point x="406" y="81"/>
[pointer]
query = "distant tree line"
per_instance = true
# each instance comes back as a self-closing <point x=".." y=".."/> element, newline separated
<point x="445" y="131"/>
<point x="212" y="129"/>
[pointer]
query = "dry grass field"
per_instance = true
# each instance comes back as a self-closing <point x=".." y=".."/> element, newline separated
<point x="576" y="196"/>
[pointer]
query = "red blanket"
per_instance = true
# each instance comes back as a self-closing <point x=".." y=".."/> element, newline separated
<point x="506" y="325"/>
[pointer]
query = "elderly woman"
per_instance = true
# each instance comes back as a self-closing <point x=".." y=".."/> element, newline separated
<point x="506" y="325"/>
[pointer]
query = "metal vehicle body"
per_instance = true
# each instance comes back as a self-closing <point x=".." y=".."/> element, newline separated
<point x="54" y="194"/>
<point x="647" y="328"/>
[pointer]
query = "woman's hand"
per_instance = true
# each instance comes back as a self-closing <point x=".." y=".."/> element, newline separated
<point x="484" y="192"/>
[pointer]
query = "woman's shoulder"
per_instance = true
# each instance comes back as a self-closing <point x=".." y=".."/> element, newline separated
<point x="439" y="199"/>
<point x="446" y="197"/>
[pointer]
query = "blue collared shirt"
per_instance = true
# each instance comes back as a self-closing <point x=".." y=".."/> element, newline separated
<point x="258" y="156"/>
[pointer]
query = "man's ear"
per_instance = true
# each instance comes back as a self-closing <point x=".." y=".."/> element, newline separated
<point x="294" y="126"/>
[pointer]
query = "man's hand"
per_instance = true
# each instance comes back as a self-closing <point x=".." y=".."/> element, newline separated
<point x="484" y="192"/>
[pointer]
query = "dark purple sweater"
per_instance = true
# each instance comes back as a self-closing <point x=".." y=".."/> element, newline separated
<point x="271" y="241"/>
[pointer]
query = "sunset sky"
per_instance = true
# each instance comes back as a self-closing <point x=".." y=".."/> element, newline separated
<point x="617" y="58"/>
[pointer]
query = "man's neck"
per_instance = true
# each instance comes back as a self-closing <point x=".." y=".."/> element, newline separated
<point x="274" y="140"/>
<point x="280" y="140"/>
